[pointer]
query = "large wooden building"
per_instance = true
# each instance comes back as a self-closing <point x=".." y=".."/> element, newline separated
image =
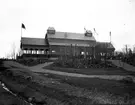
<point x="63" y="43"/>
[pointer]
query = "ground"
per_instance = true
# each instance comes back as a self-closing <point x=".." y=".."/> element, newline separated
<point x="51" y="87"/>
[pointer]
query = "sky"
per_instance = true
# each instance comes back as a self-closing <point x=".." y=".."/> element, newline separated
<point x="117" y="16"/>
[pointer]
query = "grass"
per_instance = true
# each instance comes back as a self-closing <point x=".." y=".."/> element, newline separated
<point x="6" y="98"/>
<point x="91" y="71"/>
<point x="110" y="86"/>
<point x="64" y="90"/>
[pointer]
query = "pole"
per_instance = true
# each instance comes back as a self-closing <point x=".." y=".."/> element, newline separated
<point x="21" y="36"/>
<point x="105" y="54"/>
<point x="21" y="31"/>
<point x="110" y="36"/>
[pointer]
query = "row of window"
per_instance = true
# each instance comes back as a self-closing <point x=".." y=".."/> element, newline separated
<point x="33" y="52"/>
<point x="82" y="53"/>
<point x="53" y="51"/>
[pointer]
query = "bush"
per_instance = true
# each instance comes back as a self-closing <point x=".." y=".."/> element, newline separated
<point x="32" y="61"/>
<point x="8" y="73"/>
<point x="127" y="80"/>
<point x="82" y="63"/>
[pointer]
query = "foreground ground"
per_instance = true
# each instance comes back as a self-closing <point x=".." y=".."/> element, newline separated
<point x="54" y="89"/>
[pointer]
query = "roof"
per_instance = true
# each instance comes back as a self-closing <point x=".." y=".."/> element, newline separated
<point x="69" y="35"/>
<point x="105" y="44"/>
<point x="33" y="41"/>
<point x="50" y="28"/>
<point x="68" y="44"/>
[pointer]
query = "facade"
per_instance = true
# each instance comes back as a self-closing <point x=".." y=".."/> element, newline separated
<point x="62" y="43"/>
<point x="103" y="49"/>
<point x="65" y="43"/>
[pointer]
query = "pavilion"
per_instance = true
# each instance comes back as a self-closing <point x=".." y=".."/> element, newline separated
<point x="58" y="43"/>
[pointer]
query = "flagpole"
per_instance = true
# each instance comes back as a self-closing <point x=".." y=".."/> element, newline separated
<point x="110" y="36"/>
<point x="20" y="41"/>
<point x="21" y="31"/>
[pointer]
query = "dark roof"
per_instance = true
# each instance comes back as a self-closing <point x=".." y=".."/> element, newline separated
<point x="105" y="44"/>
<point x="33" y="41"/>
<point x="69" y="44"/>
<point x="69" y="35"/>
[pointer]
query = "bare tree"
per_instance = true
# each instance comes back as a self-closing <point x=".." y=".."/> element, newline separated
<point x="126" y="49"/>
<point x="13" y="49"/>
<point x="134" y="49"/>
<point x="130" y="51"/>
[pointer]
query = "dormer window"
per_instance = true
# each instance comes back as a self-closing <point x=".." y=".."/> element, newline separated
<point x="88" y="33"/>
<point x="51" y="30"/>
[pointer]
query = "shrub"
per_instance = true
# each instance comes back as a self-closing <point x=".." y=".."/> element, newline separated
<point x="72" y="62"/>
<point x="127" y="80"/>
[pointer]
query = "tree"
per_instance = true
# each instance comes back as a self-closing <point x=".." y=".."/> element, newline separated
<point x="13" y="49"/>
<point x="134" y="50"/>
<point x="130" y="52"/>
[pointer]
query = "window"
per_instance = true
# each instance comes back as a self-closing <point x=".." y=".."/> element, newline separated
<point x="82" y="53"/>
<point x="38" y="52"/>
<point x="33" y="52"/>
<point x="24" y="51"/>
<point x="53" y="51"/>
<point x="28" y="51"/>
<point x="42" y="52"/>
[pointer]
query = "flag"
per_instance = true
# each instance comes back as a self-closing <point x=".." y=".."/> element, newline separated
<point x="110" y="33"/>
<point x="95" y="31"/>
<point x="23" y="26"/>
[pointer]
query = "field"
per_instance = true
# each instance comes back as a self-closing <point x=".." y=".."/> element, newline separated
<point x="52" y="89"/>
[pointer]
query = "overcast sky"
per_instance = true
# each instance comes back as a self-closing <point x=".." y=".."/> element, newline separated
<point x="117" y="16"/>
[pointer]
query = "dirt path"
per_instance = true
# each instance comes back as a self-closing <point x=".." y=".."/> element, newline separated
<point x="39" y="69"/>
<point x="111" y="77"/>
<point x="124" y="65"/>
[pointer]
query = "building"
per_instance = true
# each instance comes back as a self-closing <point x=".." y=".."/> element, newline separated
<point x="103" y="49"/>
<point x="65" y="43"/>
<point x="34" y="47"/>
<point x="61" y="43"/>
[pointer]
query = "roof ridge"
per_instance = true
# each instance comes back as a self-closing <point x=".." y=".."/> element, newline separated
<point x="32" y="38"/>
<point x="70" y="32"/>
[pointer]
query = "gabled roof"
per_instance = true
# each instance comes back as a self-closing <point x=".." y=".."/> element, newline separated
<point x="33" y="41"/>
<point x="69" y="35"/>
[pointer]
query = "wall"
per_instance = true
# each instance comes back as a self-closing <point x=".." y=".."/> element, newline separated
<point x="69" y="50"/>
